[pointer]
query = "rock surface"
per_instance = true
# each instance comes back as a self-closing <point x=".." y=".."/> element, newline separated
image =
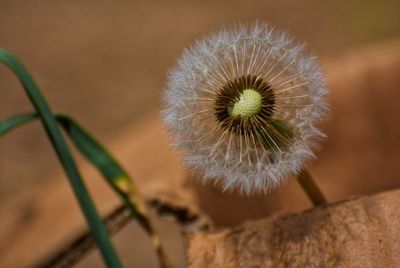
<point x="361" y="232"/>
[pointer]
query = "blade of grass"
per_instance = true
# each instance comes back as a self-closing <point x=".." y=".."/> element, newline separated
<point x="111" y="170"/>
<point x="53" y="132"/>
<point x="16" y="121"/>
<point x="117" y="178"/>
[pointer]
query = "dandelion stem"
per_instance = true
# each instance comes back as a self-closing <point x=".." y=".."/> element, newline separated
<point x="311" y="188"/>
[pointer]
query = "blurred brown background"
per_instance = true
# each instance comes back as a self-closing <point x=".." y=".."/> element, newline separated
<point x="105" y="63"/>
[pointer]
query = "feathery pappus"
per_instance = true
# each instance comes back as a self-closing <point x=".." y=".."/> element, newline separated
<point x="243" y="105"/>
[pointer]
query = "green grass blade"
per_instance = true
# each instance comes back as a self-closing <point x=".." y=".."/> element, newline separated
<point x="116" y="176"/>
<point x="111" y="170"/>
<point x="14" y="122"/>
<point x="53" y="132"/>
<point x="97" y="155"/>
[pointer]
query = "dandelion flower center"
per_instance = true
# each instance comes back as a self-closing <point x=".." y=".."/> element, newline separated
<point x="249" y="104"/>
<point x="245" y="107"/>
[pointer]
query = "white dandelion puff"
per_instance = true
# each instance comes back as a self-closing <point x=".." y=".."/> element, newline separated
<point x="243" y="105"/>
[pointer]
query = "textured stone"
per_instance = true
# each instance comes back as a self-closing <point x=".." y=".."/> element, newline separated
<point x="361" y="232"/>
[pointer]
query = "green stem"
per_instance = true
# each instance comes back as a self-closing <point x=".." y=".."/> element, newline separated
<point x="311" y="188"/>
<point x="92" y="217"/>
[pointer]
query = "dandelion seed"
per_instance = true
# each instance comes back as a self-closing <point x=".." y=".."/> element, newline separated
<point x="243" y="105"/>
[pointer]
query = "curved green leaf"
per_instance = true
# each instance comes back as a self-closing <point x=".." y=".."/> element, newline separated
<point x="64" y="155"/>
<point x="13" y="122"/>
<point x="115" y="175"/>
<point x="105" y="163"/>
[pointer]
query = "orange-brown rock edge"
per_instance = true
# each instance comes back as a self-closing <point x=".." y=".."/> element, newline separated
<point x="361" y="232"/>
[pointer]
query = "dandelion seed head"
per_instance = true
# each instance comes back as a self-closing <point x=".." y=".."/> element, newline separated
<point x="243" y="105"/>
